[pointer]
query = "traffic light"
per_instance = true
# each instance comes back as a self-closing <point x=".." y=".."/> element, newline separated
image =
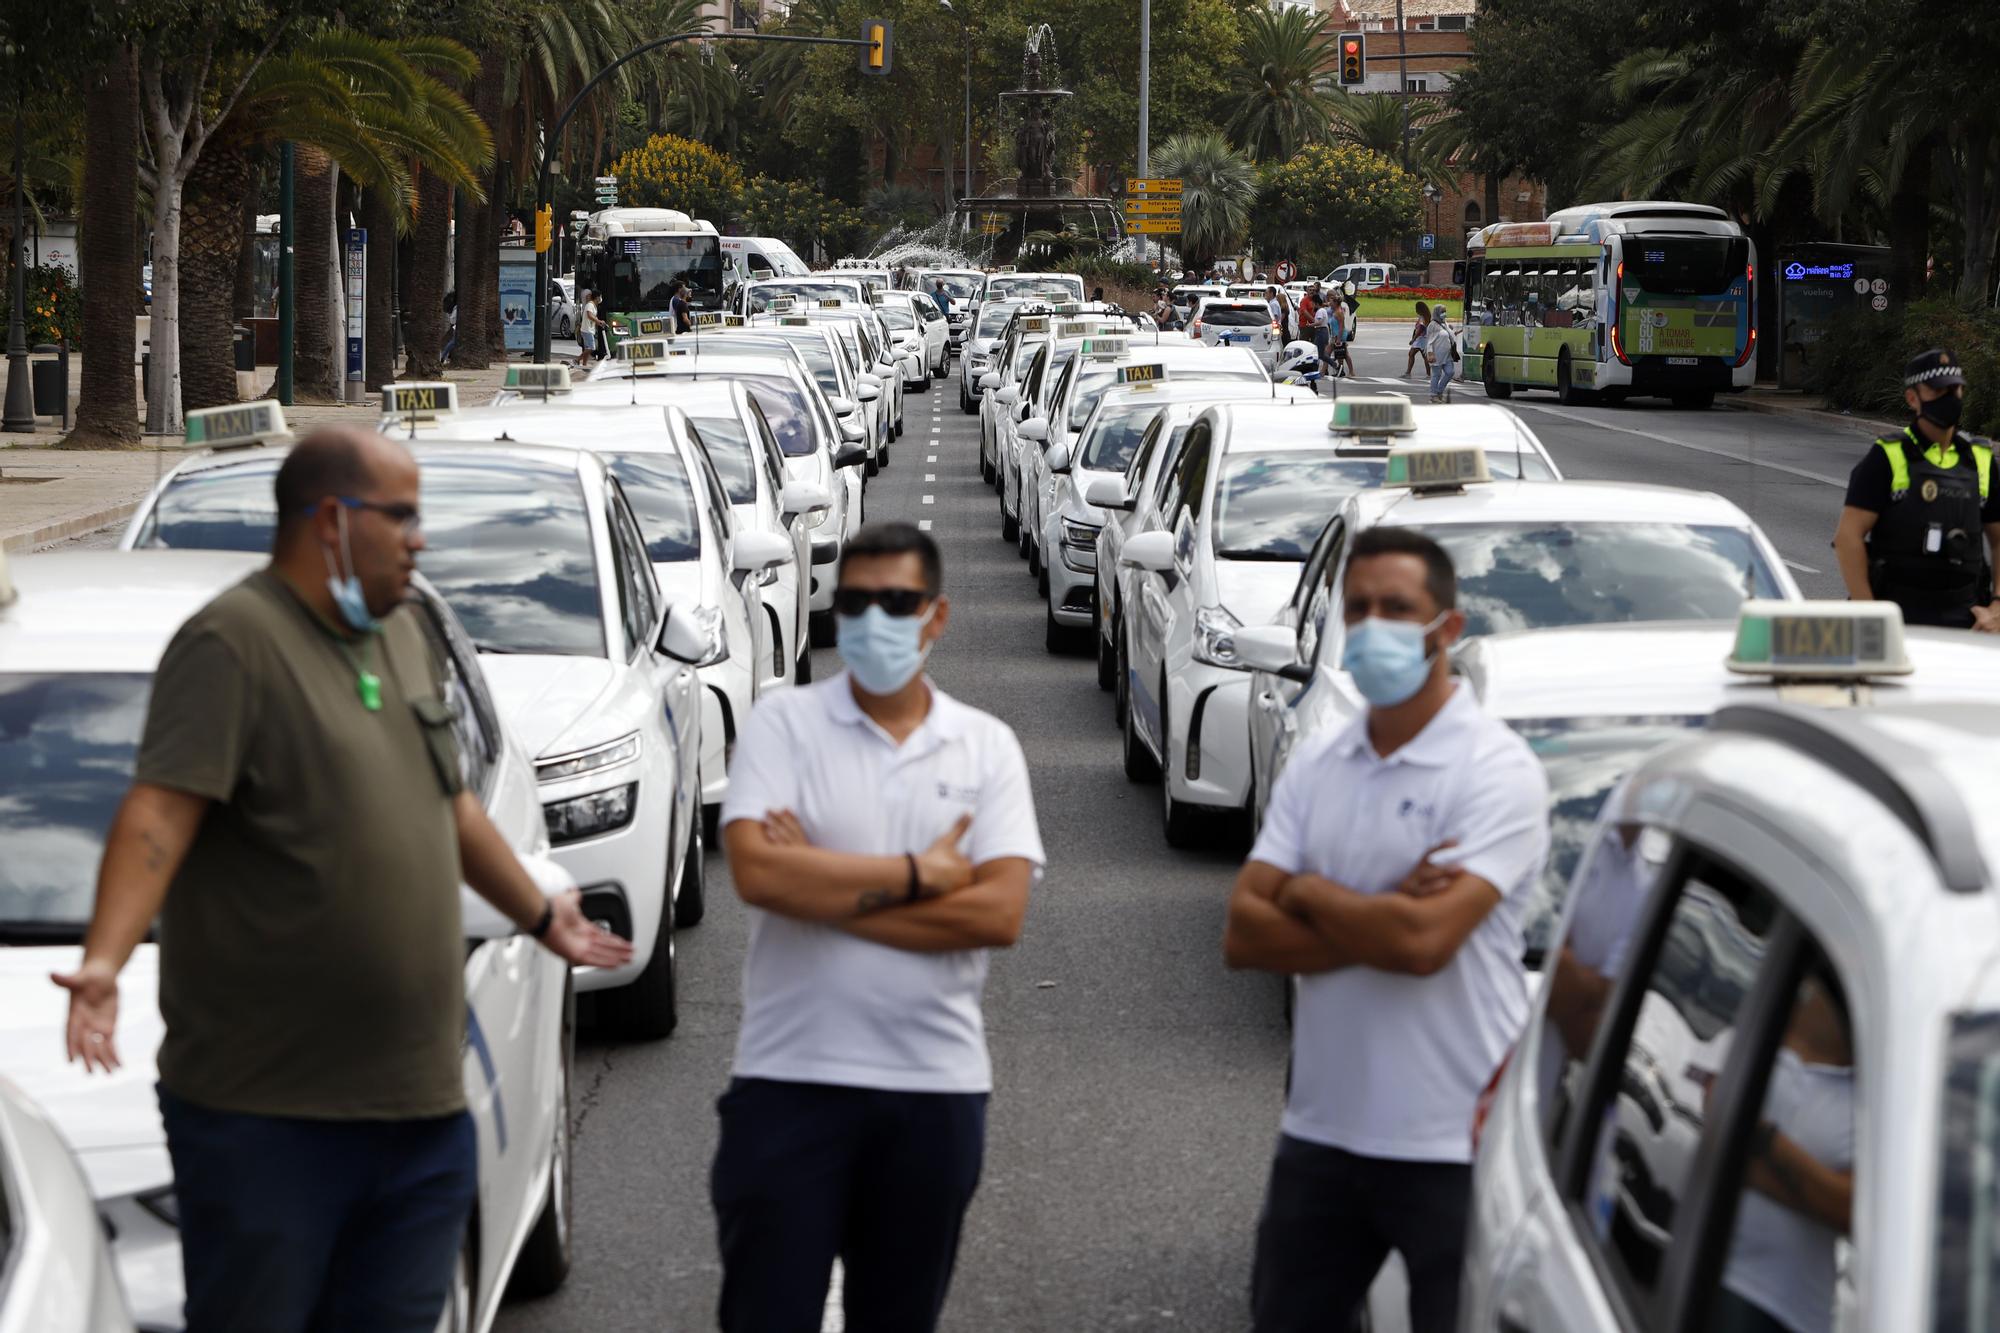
<point x="877" y="55"/>
<point x="544" y="227"/>
<point x="1353" y="58"/>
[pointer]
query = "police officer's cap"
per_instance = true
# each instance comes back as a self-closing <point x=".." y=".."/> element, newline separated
<point x="1937" y="368"/>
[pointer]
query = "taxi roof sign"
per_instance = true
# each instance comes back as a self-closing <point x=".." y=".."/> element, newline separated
<point x="1035" y="324"/>
<point x="1819" y="640"/>
<point x="707" y="319"/>
<point x="1079" y="329"/>
<point x="239" y="425"/>
<point x="544" y="378"/>
<point x="1148" y="374"/>
<point x="643" y="349"/>
<point x="1436" y="467"/>
<point x="794" y="321"/>
<point x="420" y="400"/>
<point x="1373" y="414"/>
<point x="649" y="325"/>
<point x="780" y="304"/>
<point x="1106" y="349"/>
<point x="831" y="303"/>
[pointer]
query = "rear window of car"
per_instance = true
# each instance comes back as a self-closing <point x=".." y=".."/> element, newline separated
<point x="1235" y="316"/>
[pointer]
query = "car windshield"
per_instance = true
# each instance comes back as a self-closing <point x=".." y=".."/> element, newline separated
<point x="898" y="317"/>
<point x="662" y="498"/>
<point x="1023" y="356"/>
<point x="802" y="291"/>
<point x="819" y="360"/>
<point x="993" y="317"/>
<point x="1540" y="575"/>
<point x="1274" y="506"/>
<point x="216" y="509"/>
<point x="66" y="748"/>
<point x="728" y="446"/>
<point x="1234" y="316"/>
<point x="786" y="405"/>
<point x="1094" y="384"/>
<point x="958" y="285"/>
<point x="1114" y="435"/>
<point x="638" y="272"/>
<point x="1584" y="758"/>
<point x="1059" y="288"/>
<point x="508" y="544"/>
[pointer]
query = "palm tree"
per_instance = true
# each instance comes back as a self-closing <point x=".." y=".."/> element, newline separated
<point x="1376" y="121"/>
<point x="1277" y="80"/>
<point x="107" y="412"/>
<point x="1218" y="188"/>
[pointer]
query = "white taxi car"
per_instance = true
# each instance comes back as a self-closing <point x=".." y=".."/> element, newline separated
<point x="1225" y="321"/>
<point x="1187" y="296"/>
<point x="984" y="332"/>
<point x="963" y="289"/>
<point x="541" y="557"/>
<point x="79" y="646"/>
<point x="1247" y="496"/>
<point x="1002" y="386"/>
<point x="1015" y="285"/>
<point x="756" y="298"/>
<point x="1757" y="1088"/>
<point x="1109" y="460"/>
<point x="835" y="364"/>
<point x="906" y="342"/>
<point x="1119" y="360"/>
<point x="875" y="353"/>
<point x="1528" y="554"/>
<point x="930" y="325"/>
<point x="60" y="1278"/>
<point x="798" y="415"/>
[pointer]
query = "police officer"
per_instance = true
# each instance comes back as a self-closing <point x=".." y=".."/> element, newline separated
<point x="1917" y="503"/>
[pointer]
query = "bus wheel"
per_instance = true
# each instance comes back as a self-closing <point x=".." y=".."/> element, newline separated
<point x="1566" y="391"/>
<point x="1695" y="400"/>
<point x="1494" y="388"/>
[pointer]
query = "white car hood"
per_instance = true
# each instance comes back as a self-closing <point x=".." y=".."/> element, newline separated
<point x="1255" y="590"/>
<point x="111" y="1121"/>
<point x="543" y="696"/>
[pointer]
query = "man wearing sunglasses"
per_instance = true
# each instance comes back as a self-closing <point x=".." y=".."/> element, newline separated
<point x="884" y="837"/>
<point x="298" y="825"/>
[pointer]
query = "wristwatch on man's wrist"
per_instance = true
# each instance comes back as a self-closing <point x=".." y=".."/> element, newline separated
<point x="548" y="918"/>
<point x="916" y="882"/>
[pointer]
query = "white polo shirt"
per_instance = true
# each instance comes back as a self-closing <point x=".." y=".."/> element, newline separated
<point x="820" y="1005"/>
<point x="1385" y="1064"/>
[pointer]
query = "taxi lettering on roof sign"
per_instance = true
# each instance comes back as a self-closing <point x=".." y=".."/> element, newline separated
<point x="653" y="325"/>
<point x="420" y="402"/>
<point x="1074" y="330"/>
<point x="1819" y="640"/>
<point x="538" y="378"/>
<point x="795" y="321"/>
<point x="707" y="319"/>
<point x="734" y="321"/>
<point x="1433" y="468"/>
<point x="831" y="303"/>
<point x="1147" y="375"/>
<point x="643" y="349"/>
<point x="1384" y="414"/>
<point x="261" y="422"/>
<point x="781" y="304"/>
<point x="1035" y="324"/>
<point x="1105" y="349"/>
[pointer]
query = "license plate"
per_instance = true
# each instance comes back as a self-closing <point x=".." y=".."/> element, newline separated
<point x="1228" y="341"/>
<point x="1683" y="361"/>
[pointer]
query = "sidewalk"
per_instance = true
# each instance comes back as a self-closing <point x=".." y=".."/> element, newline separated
<point x="48" y="494"/>
<point x="1805" y="408"/>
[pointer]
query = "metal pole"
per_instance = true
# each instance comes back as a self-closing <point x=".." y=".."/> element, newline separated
<point x="968" y="110"/>
<point x="1145" y="85"/>
<point x="287" y="286"/>
<point x="1403" y="78"/>
<point x="20" y="411"/>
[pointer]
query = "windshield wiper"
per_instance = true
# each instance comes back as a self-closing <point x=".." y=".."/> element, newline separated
<point x="1257" y="555"/>
<point x="488" y="646"/>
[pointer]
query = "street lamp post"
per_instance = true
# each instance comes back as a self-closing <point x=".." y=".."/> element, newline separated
<point x="965" y="31"/>
<point x="20" y="410"/>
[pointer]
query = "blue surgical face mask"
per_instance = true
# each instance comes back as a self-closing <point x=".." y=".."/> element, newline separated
<point x="1386" y="658"/>
<point x="346" y="591"/>
<point x="883" y="652"/>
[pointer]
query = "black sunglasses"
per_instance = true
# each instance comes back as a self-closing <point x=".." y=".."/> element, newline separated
<point x="896" y="601"/>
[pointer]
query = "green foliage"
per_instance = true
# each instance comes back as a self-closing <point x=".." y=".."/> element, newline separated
<point x="1218" y="189"/>
<point x="54" y="309"/>
<point x="799" y="215"/>
<point x="1858" y="365"/>
<point x="1329" y="199"/>
<point x="899" y="206"/>
<point x="1279" y="105"/>
<point x="668" y="171"/>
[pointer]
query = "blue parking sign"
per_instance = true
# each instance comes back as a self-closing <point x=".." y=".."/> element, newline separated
<point x="1428" y="241"/>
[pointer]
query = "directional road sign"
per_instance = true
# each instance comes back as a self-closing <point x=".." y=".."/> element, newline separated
<point x="1152" y="185"/>
<point x="607" y="180"/>
<point x="1152" y="226"/>
<point x="1153" y="206"/>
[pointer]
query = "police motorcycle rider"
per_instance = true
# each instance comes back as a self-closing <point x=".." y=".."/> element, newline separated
<point x="1917" y="505"/>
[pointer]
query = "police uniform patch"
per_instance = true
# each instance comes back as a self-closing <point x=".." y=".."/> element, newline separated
<point x="1930" y="490"/>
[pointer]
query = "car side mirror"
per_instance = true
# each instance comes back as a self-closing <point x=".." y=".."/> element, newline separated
<point x="1272" y="648"/>
<point x="850" y="430"/>
<point x="842" y="405"/>
<point x="756" y="552"/>
<point x="482" y="921"/>
<point x="1034" y="428"/>
<point x="694" y="637"/>
<point x="1007" y="397"/>
<point x="868" y="389"/>
<point x="804" y="497"/>
<point x="1057" y="457"/>
<point x="1108" y="493"/>
<point x="850" y="454"/>
<point x="990" y="380"/>
<point x="1152" y="552"/>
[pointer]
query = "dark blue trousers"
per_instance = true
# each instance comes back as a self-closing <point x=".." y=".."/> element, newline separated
<point x="318" y="1226"/>
<point x="806" y="1172"/>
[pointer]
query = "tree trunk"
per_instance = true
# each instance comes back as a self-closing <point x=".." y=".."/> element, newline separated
<point x="244" y="301"/>
<point x="478" y="238"/>
<point x="1910" y="225"/>
<point x="107" y="411"/>
<point x="378" y="215"/>
<point x="496" y="227"/>
<point x="211" y="246"/>
<point x="315" y="377"/>
<point x="163" y="388"/>
<point x="1979" y="218"/>
<point x="423" y="315"/>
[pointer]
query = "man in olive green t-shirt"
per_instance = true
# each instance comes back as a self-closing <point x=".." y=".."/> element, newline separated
<point x="298" y="826"/>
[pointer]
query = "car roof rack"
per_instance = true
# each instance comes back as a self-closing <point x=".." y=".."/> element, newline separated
<point x="1900" y="776"/>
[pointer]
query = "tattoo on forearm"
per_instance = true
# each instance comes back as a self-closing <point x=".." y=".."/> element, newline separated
<point x="156" y="851"/>
<point x="872" y="900"/>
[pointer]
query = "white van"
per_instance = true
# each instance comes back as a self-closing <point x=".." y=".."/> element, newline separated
<point x="758" y="257"/>
<point x="1362" y="275"/>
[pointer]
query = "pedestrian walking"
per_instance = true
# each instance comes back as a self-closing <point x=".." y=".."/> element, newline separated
<point x="1324" y="327"/>
<point x="884" y="837"/>
<point x="586" y="329"/>
<point x="942" y="297"/>
<point x="1419" y="333"/>
<point x="1391" y="875"/>
<point x="1921" y="523"/>
<point x="677" y="307"/>
<point x="298" y="826"/>
<point x="1442" y="349"/>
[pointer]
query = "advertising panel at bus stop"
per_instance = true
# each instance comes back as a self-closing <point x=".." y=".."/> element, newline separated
<point x="1818" y="284"/>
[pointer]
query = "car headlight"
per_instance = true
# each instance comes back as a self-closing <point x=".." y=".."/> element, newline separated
<point x="1083" y="536"/>
<point x="1215" y="637"/>
<point x="819" y="519"/>
<point x="621" y="751"/>
<point x="590" y="815"/>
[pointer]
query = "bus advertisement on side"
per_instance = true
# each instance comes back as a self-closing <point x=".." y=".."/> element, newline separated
<point x="1603" y="301"/>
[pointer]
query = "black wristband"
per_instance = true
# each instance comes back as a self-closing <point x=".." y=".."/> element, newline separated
<point x="548" y="919"/>
<point x="916" y="885"/>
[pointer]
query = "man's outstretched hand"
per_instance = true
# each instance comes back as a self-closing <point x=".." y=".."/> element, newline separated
<point x="93" y="1014"/>
<point x="582" y="942"/>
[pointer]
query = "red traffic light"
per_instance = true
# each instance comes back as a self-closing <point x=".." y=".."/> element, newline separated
<point x="1353" y="47"/>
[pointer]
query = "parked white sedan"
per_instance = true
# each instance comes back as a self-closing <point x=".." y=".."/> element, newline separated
<point x="59" y="1276"/>
<point x="79" y="645"/>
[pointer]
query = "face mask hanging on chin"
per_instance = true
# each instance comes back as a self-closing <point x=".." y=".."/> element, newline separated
<point x="348" y="598"/>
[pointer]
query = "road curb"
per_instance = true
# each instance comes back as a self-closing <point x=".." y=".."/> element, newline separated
<point x="67" y="527"/>
<point x="1858" y="425"/>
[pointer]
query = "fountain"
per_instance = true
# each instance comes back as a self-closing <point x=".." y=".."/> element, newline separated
<point x="1036" y="200"/>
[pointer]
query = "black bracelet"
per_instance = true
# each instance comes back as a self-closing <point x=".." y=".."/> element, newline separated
<point x="916" y="885"/>
<point x="548" y="919"/>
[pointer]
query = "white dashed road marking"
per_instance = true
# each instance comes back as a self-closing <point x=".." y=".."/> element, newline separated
<point x="1803" y="569"/>
<point x="930" y="476"/>
<point x="923" y="525"/>
<point x="930" y="499"/>
<point x="834" y="1318"/>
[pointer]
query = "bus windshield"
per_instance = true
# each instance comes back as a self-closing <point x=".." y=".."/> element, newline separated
<point x="638" y="272"/>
